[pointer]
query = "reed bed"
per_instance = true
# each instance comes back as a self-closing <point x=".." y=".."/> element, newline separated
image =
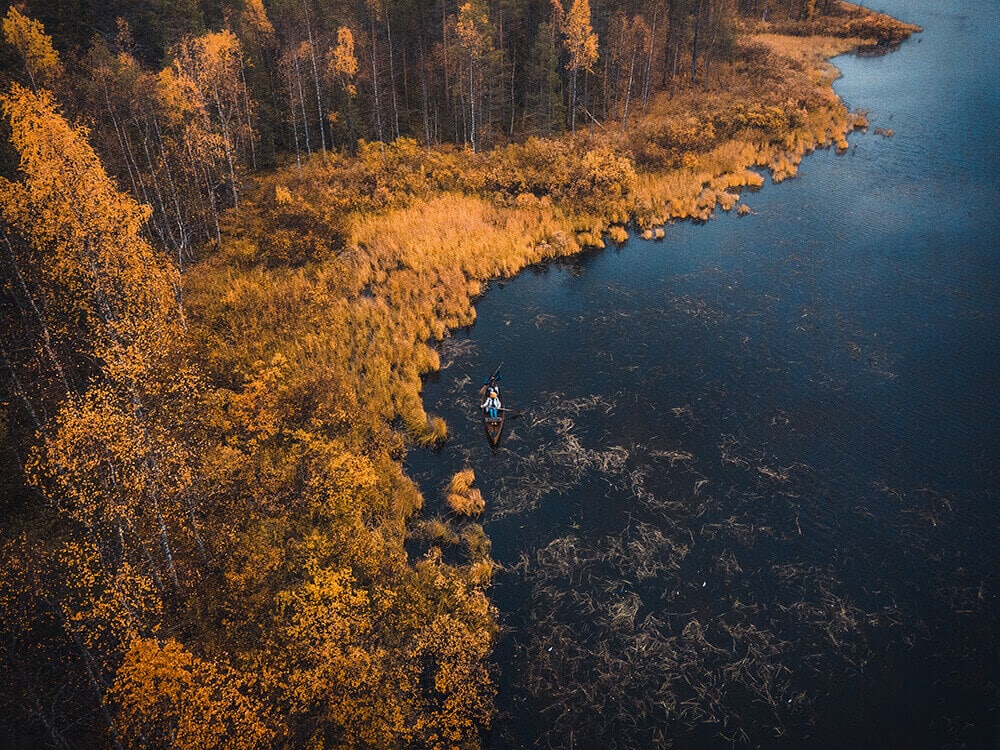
<point x="462" y="497"/>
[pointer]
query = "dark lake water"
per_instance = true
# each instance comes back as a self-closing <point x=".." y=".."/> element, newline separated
<point x="752" y="498"/>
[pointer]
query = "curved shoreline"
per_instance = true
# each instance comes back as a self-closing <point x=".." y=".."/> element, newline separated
<point x="441" y="223"/>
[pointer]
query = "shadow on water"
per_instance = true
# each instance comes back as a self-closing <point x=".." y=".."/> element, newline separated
<point x="752" y="496"/>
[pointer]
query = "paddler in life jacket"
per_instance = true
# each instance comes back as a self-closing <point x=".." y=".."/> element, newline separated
<point x="492" y="404"/>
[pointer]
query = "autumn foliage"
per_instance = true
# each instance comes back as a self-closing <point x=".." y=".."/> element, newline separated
<point x="462" y="497"/>
<point x="28" y="37"/>
<point x="224" y="565"/>
<point x="170" y="698"/>
<point x="211" y="373"/>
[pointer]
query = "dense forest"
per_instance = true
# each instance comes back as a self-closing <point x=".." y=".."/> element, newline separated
<point x="230" y="231"/>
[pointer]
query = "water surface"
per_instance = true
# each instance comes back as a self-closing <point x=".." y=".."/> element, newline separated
<point x="752" y="497"/>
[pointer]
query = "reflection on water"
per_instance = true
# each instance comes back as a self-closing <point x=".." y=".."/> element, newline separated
<point x="751" y="498"/>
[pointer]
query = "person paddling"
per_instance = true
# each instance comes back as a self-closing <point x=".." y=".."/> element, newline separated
<point x="492" y="383"/>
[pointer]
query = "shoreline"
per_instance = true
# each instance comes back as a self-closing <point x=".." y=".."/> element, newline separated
<point x="447" y="221"/>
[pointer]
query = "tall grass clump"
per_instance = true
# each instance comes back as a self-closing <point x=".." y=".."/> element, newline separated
<point x="462" y="497"/>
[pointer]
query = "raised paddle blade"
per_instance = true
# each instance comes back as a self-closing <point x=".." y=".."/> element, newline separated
<point x="496" y="372"/>
<point x="490" y="379"/>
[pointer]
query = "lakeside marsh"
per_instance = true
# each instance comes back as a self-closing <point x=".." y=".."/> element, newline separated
<point x="393" y="246"/>
<point x="399" y="243"/>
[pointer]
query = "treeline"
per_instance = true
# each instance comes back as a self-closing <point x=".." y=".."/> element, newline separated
<point x="327" y="72"/>
<point x="193" y="559"/>
<point x="186" y="98"/>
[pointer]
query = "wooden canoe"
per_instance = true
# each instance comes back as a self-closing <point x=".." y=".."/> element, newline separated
<point x="493" y="427"/>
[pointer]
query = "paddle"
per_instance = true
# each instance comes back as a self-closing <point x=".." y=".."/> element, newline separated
<point x="514" y="413"/>
<point x="495" y="373"/>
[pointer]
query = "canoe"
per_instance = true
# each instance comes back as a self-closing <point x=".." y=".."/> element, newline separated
<point x="493" y="427"/>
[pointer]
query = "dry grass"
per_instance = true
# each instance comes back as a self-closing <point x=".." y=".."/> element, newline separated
<point x="812" y="50"/>
<point x="438" y="532"/>
<point x="477" y="544"/>
<point x="462" y="498"/>
<point x="617" y="234"/>
<point x="462" y="481"/>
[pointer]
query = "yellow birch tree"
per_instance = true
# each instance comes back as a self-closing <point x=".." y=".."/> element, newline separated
<point x="581" y="45"/>
<point x="41" y="61"/>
